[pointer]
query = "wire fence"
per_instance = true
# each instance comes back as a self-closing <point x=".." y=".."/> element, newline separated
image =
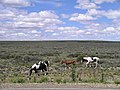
<point x="82" y="75"/>
<point x="62" y="74"/>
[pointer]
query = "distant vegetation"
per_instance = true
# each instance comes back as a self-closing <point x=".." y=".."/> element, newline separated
<point x="17" y="57"/>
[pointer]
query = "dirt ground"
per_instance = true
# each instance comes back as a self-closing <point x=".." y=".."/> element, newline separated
<point x="55" y="86"/>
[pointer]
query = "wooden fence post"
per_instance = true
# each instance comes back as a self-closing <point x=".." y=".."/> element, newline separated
<point x="102" y="76"/>
<point x="80" y="77"/>
<point x="73" y="76"/>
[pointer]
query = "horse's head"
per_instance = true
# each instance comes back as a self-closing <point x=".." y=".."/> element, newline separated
<point x="39" y="62"/>
<point x="96" y="58"/>
<point x="47" y="62"/>
<point x="62" y="62"/>
<point x="84" y="59"/>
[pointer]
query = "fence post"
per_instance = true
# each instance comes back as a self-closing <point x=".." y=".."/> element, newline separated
<point x="102" y="76"/>
<point x="94" y="72"/>
<point x="80" y="74"/>
<point x="73" y="76"/>
<point x="34" y="78"/>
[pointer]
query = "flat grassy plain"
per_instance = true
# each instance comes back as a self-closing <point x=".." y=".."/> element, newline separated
<point x="16" y="57"/>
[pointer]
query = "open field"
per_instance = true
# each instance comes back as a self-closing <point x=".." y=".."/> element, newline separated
<point x="17" y="57"/>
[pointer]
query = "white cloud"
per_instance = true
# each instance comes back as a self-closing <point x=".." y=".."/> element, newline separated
<point x="48" y="14"/>
<point x="86" y="4"/>
<point x="82" y="17"/>
<point x="96" y="13"/>
<point x="40" y="20"/>
<point x="68" y="28"/>
<point x="10" y="13"/>
<point x="39" y="24"/>
<point x="34" y="31"/>
<point x="26" y="24"/>
<point x="55" y="34"/>
<point x="65" y="16"/>
<point x="19" y="34"/>
<point x="18" y="24"/>
<point x="15" y="2"/>
<point x="109" y="29"/>
<point x="6" y="14"/>
<point x="91" y="4"/>
<point x="49" y="30"/>
<point x="102" y="1"/>
<point x="92" y="12"/>
<point x="36" y="17"/>
<point x="56" y="3"/>
<point x="112" y="14"/>
<point x="118" y="28"/>
<point x="70" y="31"/>
<point x="112" y="30"/>
<point x="2" y="32"/>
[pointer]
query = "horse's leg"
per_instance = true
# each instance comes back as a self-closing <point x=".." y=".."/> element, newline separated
<point x="65" y="67"/>
<point x="46" y="71"/>
<point x="43" y="71"/>
<point x="96" y="64"/>
<point x="36" y="71"/>
<point x="87" y="64"/>
<point x="69" y="67"/>
<point x="30" y="72"/>
<point x="90" y="65"/>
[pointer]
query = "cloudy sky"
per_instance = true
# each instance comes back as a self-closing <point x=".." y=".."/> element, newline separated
<point x="60" y="20"/>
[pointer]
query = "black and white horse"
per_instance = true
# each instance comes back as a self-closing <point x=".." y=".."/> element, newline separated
<point x="89" y="60"/>
<point x="41" y="66"/>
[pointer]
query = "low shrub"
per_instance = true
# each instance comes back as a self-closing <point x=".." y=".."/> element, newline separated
<point x="64" y="81"/>
<point x="58" y="80"/>
<point x="43" y="79"/>
<point x="117" y="82"/>
<point x="18" y="80"/>
<point x="91" y="80"/>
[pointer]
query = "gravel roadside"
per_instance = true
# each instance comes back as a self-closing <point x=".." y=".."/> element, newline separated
<point x="55" y="86"/>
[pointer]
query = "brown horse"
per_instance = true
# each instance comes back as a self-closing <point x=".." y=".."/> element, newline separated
<point x="68" y="62"/>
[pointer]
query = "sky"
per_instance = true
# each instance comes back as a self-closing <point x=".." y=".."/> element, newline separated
<point x="59" y="20"/>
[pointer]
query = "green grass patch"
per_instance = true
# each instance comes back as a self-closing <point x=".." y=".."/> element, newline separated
<point x="117" y="82"/>
<point x="43" y="79"/>
<point x="17" y="80"/>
